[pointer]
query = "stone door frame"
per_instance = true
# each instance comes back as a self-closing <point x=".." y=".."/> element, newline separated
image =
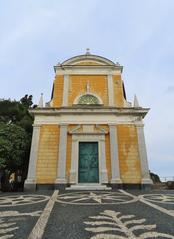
<point x="100" y="139"/>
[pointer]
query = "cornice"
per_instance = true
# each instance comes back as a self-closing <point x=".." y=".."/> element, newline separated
<point x="90" y="110"/>
<point x="77" y="69"/>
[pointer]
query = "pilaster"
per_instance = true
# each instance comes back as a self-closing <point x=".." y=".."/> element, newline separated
<point x="143" y="154"/>
<point x="110" y="90"/>
<point x="114" y="155"/>
<point x="74" y="158"/>
<point x="61" y="166"/>
<point x="103" y="173"/>
<point x="65" y="90"/>
<point x="30" y="182"/>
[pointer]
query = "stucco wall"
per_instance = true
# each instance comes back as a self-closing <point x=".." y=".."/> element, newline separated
<point x="47" y="154"/>
<point x="128" y="154"/>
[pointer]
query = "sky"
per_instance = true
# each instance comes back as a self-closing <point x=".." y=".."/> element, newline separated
<point x="36" y="35"/>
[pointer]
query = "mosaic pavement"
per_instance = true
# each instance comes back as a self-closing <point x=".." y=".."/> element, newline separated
<point x="88" y="215"/>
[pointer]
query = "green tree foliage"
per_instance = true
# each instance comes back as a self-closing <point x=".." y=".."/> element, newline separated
<point x="15" y="133"/>
<point x="16" y="112"/>
<point x="15" y="143"/>
<point x="27" y="101"/>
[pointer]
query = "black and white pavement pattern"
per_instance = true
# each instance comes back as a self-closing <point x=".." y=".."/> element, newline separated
<point x="87" y="215"/>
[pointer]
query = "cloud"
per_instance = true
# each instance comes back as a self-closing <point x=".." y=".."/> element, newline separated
<point x="170" y="89"/>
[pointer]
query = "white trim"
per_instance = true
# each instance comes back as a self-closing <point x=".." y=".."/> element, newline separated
<point x="65" y="90"/>
<point x="90" y="110"/>
<point x="85" y="119"/>
<point x="143" y="155"/>
<point x="110" y="90"/>
<point x="82" y="70"/>
<point x="114" y="155"/>
<point x="87" y="57"/>
<point x="61" y="166"/>
<point x="103" y="178"/>
<point x="31" y="177"/>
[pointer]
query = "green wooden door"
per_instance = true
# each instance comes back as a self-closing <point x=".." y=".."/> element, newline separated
<point x="88" y="162"/>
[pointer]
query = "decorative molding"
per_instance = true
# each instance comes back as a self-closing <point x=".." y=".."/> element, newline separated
<point x="87" y="57"/>
<point x="90" y="110"/>
<point x="74" y="130"/>
<point x="102" y="130"/>
<point x="88" y="137"/>
<point x="87" y="128"/>
<point x="88" y="119"/>
<point x="88" y="70"/>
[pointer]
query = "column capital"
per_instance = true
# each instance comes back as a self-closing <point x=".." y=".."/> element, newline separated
<point x="36" y="125"/>
<point x="139" y="124"/>
<point x="63" y="124"/>
<point x="112" y="124"/>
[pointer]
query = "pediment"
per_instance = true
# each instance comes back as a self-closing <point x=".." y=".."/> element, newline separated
<point x="88" y="60"/>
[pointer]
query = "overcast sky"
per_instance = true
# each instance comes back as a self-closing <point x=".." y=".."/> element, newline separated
<point x="37" y="34"/>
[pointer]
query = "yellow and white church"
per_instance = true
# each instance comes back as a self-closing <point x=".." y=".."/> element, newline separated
<point x="88" y="136"/>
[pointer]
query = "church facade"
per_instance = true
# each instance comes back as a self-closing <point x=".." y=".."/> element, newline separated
<point x="88" y="134"/>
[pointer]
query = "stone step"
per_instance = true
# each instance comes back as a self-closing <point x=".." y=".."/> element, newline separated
<point x="88" y="187"/>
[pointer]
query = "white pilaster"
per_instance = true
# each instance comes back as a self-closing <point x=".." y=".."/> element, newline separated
<point x="143" y="155"/>
<point x="74" y="161"/>
<point x="61" y="166"/>
<point x="65" y="90"/>
<point x="103" y="173"/>
<point x="31" y="177"/>
<point x="110" y="91"/>
<point x="114" y="155"/>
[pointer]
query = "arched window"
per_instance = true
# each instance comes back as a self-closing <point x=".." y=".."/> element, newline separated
<point x="88" y="99"/>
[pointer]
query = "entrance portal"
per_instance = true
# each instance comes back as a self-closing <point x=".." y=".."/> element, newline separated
<point x="88" y="162"/>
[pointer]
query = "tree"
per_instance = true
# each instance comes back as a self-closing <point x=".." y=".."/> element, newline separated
<point x="15" y="135"/>
<point x="27" y="101"/>
<point x="16" y="112"/>
<point x="15" y="145"/>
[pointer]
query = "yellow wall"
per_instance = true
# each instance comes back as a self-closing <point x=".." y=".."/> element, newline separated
<point x="58" y="91"/>
<point x="98" y="85"/>
<point x="128" y="154"/>
<point x="127" y="149"/>
<point x="118" y="91"/>
<point x="47" y="154"/>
